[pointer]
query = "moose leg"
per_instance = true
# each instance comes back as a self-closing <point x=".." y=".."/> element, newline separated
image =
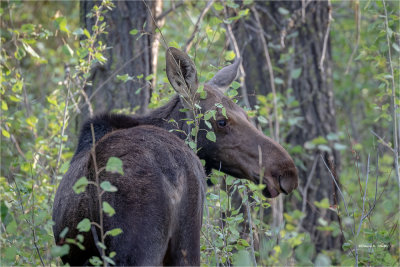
<point x="184" y="246"/>
<point x="141" y="245"/>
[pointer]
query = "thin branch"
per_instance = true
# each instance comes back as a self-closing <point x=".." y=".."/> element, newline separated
<point x="33" y="221"/>
<point x="358" y="20"/>
<point x="14" y="140"/>
<point x="165" y="13"/>
<point x="337" y="186"/>
<point x="305" y="189"/>
<point x="234" y="43"/>
<point x="292" y="22"/>
<point x="27" y="221"/>
<point x="394" y="106"/>
<point x="376" y="189"/>
<point x="363" y="203"/>
<point x="275" y="131"/>
<point x="328" y="28"/>
<point x="68" y="85"/>
<point x="117" y="71"/>
<point x="253" y="257"/>
<point x="189" y="42"/>
<point x="383" y="141"/>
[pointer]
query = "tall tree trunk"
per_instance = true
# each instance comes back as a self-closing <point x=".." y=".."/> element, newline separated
<point x="304" y="28"/>
<point x="127" y="54"/>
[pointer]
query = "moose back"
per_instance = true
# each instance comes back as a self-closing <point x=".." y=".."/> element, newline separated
<point x="159" y="200"/>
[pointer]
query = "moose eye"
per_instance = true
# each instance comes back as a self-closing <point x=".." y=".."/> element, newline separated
<point x="221" y="123"/>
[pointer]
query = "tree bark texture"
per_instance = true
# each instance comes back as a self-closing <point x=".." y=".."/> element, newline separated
<point x="304" y="29"/>
<point x="127" y="54"/>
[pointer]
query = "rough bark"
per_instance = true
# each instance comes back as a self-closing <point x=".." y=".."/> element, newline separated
<point x="313" y="90"/>
<point x="108" y="93"/>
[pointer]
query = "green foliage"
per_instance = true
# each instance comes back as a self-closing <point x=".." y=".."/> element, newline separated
<point x="114" y="165"/>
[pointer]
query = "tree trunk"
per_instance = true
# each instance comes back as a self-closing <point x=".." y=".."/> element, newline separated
<point x="127" y="54"/>
<point x="303" y="26"/>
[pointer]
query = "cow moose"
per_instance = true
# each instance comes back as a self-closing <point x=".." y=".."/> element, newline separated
<point x="160" y="196"/>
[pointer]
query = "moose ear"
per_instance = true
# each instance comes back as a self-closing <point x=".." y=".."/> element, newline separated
<point x="225" y="76"/>
<point x="181" y="72"/>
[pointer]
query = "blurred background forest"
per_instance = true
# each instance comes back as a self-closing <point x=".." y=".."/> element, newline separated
<point x="320" y="77"/>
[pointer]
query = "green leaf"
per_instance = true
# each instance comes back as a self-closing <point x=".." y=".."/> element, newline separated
<point x="296" y="73"/>
<point x="86" y="32"/>
<point x="17" y="87"/>
<point x="114" y="232"/>
<point x="78" y="32"/>
<point x="243" y="242"/>
<point x="59" y="251"/>
<point x="211" y="136"/>
<point x="14" y="98"/>
<point x="339" y="146"/>
<point x="262" y="119"/>
<point x="52" y="100"/>
<point x="324" y="203"/>
<point x="174" y="44"/>
<point x="12" y="227"/>
<point x="80" y="185"/>
<point x="149" y="77"/>
<point x="10" y="253"/>
<point x="283" y="11"/>
<point x="20" y="53"/>
<point x="192" y="145"/>
<point x="3" y="211"/>
<point x="242" y="258"/>
<point x="95" y="261"/>
<point x="124" y="78"/>
<point x="30" y="50"/>
<point x="229" y="55"/>
<point x="101" y="245"/>
<point x="64" y="232"/>
<point x="209" y="114"/>
<point x="319" y="141"/>
<point x="133" y="32"/>
<point x="108" y="209"/>
<point x="114" y="165"/>
<point x="67" y="50"/>
<point x="62" y="24"/>
<point x="396" y="47"/>
<point x="4" y="105"/>
<point x="224" y="112"/>
<point x="218" y="6"/>
<point x="278" y="80"/>
<point x="235" y="85"/>
<point x="109" y="260"/>
<point x="84" y="225"/>
<point x="108" y="187"/>
<point x="5" y="133"/>
<point x="64" y="167"/>
<point x="31" y="121"/>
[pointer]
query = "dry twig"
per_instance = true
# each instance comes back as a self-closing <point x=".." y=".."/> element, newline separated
<point x="275" y="129"/>
<point x="394" y="106"/>
<point x="189" y="42"/>
<point x="328" y="29"/>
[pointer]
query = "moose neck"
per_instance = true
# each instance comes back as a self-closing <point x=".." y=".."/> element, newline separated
<point x="168" y="117"/>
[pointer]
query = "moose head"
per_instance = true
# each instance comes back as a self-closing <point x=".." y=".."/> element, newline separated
<point x="240" y="149"/>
